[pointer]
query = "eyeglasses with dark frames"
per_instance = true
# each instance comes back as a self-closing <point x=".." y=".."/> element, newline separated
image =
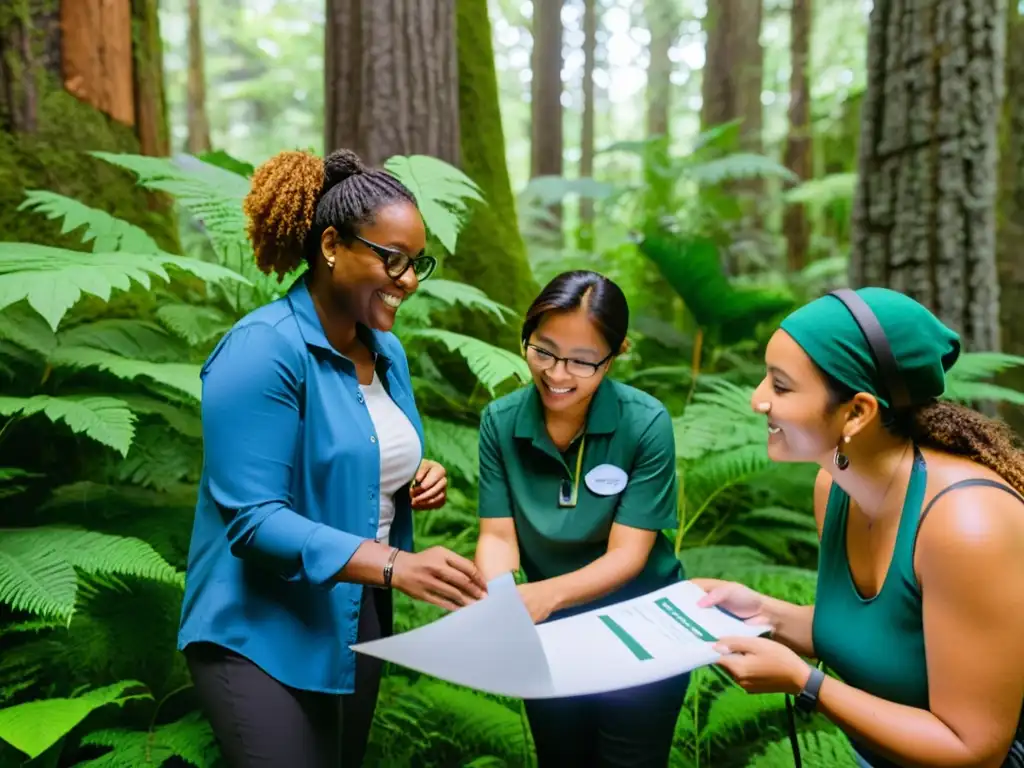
<point x="542" y="359"/>
<point x="396" y="262"/>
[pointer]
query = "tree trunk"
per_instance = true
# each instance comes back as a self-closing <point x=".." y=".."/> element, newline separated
<point x="1010" y="230"/>
<point x="924" y="210"/>
<point x="391" y="74"/>
<point x="546" y="139"/>
<point x="586" y="236"/>
<point x="799" y="155"/>
<point x="490" y="253"/>
<point x="76" y="76"/>
<point x="198" y="140"/>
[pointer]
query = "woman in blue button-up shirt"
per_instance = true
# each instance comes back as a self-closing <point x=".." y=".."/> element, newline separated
<point x="312" y="466"/>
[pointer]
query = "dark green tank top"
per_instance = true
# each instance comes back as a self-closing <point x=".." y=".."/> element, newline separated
<point x="876" y="644"/>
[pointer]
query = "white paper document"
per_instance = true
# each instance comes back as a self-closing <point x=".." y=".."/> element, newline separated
<point x="494" y="646"/>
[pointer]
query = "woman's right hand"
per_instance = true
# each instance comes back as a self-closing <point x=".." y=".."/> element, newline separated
<point x="439" y="576"/>
<point x="737" y="599"/>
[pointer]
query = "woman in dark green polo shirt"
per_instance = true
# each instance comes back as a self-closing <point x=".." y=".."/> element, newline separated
<point x="577" y="481"/>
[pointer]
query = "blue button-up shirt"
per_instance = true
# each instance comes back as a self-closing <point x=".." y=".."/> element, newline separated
<point x="290" y="488"/>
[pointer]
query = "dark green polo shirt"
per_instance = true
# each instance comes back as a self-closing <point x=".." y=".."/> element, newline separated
<point x="521" y="472"/>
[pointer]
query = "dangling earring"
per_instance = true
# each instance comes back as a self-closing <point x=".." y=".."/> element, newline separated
<point x="330" y="263"/>
<point x="841" y="459"/>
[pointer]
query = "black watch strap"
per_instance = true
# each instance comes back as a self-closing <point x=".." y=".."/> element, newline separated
<point x="807" y="699"/>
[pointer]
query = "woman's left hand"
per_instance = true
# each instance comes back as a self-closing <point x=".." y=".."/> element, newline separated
<point x="761" y="665"/>
<point x="538" y="600"/>
<point x="430" y="487"/>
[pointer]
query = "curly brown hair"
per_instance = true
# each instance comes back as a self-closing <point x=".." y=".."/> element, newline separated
<point x="294" y="196"/>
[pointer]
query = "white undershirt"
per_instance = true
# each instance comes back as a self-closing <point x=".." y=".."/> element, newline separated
<point x="399" y="450"/>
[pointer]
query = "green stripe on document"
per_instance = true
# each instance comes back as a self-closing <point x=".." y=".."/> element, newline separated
<point x="630" y="642"/>
<point x="676" y="613"/>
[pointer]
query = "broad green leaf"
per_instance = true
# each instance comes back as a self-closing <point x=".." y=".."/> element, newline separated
<point x="20" y="324"/>
<point x="106" y="420"/>
<point x="454" y="293"/>
<point x="183" y="377"/>
<point x="179" y="418"/>
<point x="109" y="232"/>
<point x="441" y="192"/>
<point x="125" y="337"/>
<point x="491" y="365"/>
<point x="36" y="726"/>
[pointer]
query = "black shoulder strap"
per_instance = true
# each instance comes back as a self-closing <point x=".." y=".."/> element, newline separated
<point x="974" y="481"/>
<point x="879" y="344"/>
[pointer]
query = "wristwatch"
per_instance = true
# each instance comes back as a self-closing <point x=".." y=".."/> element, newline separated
<point x="807" y="699"/>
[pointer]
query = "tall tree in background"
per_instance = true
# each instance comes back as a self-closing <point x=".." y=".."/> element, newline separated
<point x="198" y="140"/>
<point x="799" y="156"/>
<point x="1010" y="228"/>
<point x="924" y="209"/>
<point x="546" y="140"/>
<point x="75" y="76"/>
<point x="391" y="74"/>
<point x="587" y="140"/>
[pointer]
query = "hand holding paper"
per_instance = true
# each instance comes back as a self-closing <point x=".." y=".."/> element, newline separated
<point x="494" y="646"/>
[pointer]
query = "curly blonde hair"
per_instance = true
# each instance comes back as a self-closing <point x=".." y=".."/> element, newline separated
<point x="295" y="196"/>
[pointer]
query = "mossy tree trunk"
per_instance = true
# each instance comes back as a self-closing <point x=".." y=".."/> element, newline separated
<point x="924" y="209"/>
<point x="491" y="254"/>
<point x="1010" y="228"/>
<point x="76" y="76"/>
<point x="392" y="79"/>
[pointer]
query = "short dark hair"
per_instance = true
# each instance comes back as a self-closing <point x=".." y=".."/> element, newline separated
<point x="603" y="300"/>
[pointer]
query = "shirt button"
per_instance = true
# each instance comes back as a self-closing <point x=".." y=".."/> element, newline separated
<point x="373" y="438"/>
<point x="359" y="397"/>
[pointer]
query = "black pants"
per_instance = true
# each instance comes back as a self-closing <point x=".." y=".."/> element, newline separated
<point x="632" y="728"/>
<point x="261" y="723"/>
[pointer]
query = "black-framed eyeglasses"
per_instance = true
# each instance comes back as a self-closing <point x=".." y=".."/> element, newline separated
<point x="542" y="360"/>
<point x="396" y="262"/>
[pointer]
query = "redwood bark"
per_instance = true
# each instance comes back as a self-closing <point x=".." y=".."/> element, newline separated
<point x="392" y="79"/>
<point x="587" y="128"/>
<point x="924" y="209"/>
<point x="198" y="123"/>
<point x="799" y="157"/>
<point x="96" y="53"/>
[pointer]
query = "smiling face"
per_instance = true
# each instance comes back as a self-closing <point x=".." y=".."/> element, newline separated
<point x="795" y="400"/>
<point x="563" y="385"/>
<point x="358" y="279"/>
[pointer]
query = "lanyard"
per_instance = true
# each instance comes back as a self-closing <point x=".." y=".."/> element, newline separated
<point x="571" y="500"/>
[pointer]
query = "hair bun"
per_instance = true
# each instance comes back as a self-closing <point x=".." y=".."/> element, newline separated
<point x="341" y="164"/>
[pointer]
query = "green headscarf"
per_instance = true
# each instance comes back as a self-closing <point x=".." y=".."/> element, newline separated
<point x="924" y="348"/>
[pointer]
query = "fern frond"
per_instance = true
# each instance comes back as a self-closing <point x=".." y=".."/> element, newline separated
<point x="441" y="190"/>
<point x="454" y="445"/>
<point x="822" y="191"/>
<point x="709" y="476"/>
<point x="454" y="293"/>
<point x="194" y="324"/>
<point x="491" y="365"/>
<point x="734" y="709"/>
<point x="822" y="749"/>
<point x="37" y="566"/>
<point x="974" y="391"/>
<point x="54" y="279"/>
<point x="21" y="325"/>
<point x="736" y="167"/>
<point x="190" y="738"/>
<point x="181" y="419"/>
<point x="109" y="232"/>
<point x="159" y="460"/>
<point x="106" y="420"/>
<point x="753" y="568"/>
<point x="36" y="726"/>
<point x="972" y="366"/>
<point x="183" y="377"/>
<point x="126" y="338"/>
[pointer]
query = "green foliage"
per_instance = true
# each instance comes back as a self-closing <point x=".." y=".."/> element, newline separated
<point x="189" y="738"/>
<point x="822" y="749"/>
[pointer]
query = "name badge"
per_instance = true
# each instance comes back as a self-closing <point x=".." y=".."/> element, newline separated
<point x="606" y="480"/>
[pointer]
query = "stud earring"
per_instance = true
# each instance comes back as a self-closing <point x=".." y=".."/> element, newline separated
<point x="330" y="263"/>
<point x="840" y="459"/>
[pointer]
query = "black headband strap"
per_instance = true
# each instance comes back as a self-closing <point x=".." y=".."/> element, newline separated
<point x="879" y="344"/>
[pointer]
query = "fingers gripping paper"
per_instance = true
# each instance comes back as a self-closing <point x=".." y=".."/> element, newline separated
<point x="494" y="646"/>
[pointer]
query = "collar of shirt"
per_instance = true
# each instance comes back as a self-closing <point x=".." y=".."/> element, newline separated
<point x="602" y="417"/>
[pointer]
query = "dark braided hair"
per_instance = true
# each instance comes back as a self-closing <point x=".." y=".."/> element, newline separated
<point x="295" y="196"/>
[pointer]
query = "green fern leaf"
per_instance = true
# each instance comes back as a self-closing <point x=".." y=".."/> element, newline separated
<point x="37" y="566"/>
<point x="972" y="366"/>
<point x="836" y="187"/>
<point x="183" y="377"/>
<point x="194" y="324"/>
<point x="36" y="726"/>
<point x="453" y="293"/>
<point x="20" y="324"/>
<point x="190" y="738"/>
<point x="182" y="420"/>
<point x="454" y="445"/>
<point x="736" y="167"/>
<point x="442" y="193"/>
<point x="491" y="365"/>
<point x="104" y="419"/>
<point x="973" y="391"/>
<point x="709" y="476"/>
<point x="109" y="232"/>
<point x="159" y="460"/>
<point x="821" y="749"/>
<point x="733" y="710"/>
<point x="126" y="338"/>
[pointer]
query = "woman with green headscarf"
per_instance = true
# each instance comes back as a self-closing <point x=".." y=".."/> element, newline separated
<point x="919" y="610"/>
